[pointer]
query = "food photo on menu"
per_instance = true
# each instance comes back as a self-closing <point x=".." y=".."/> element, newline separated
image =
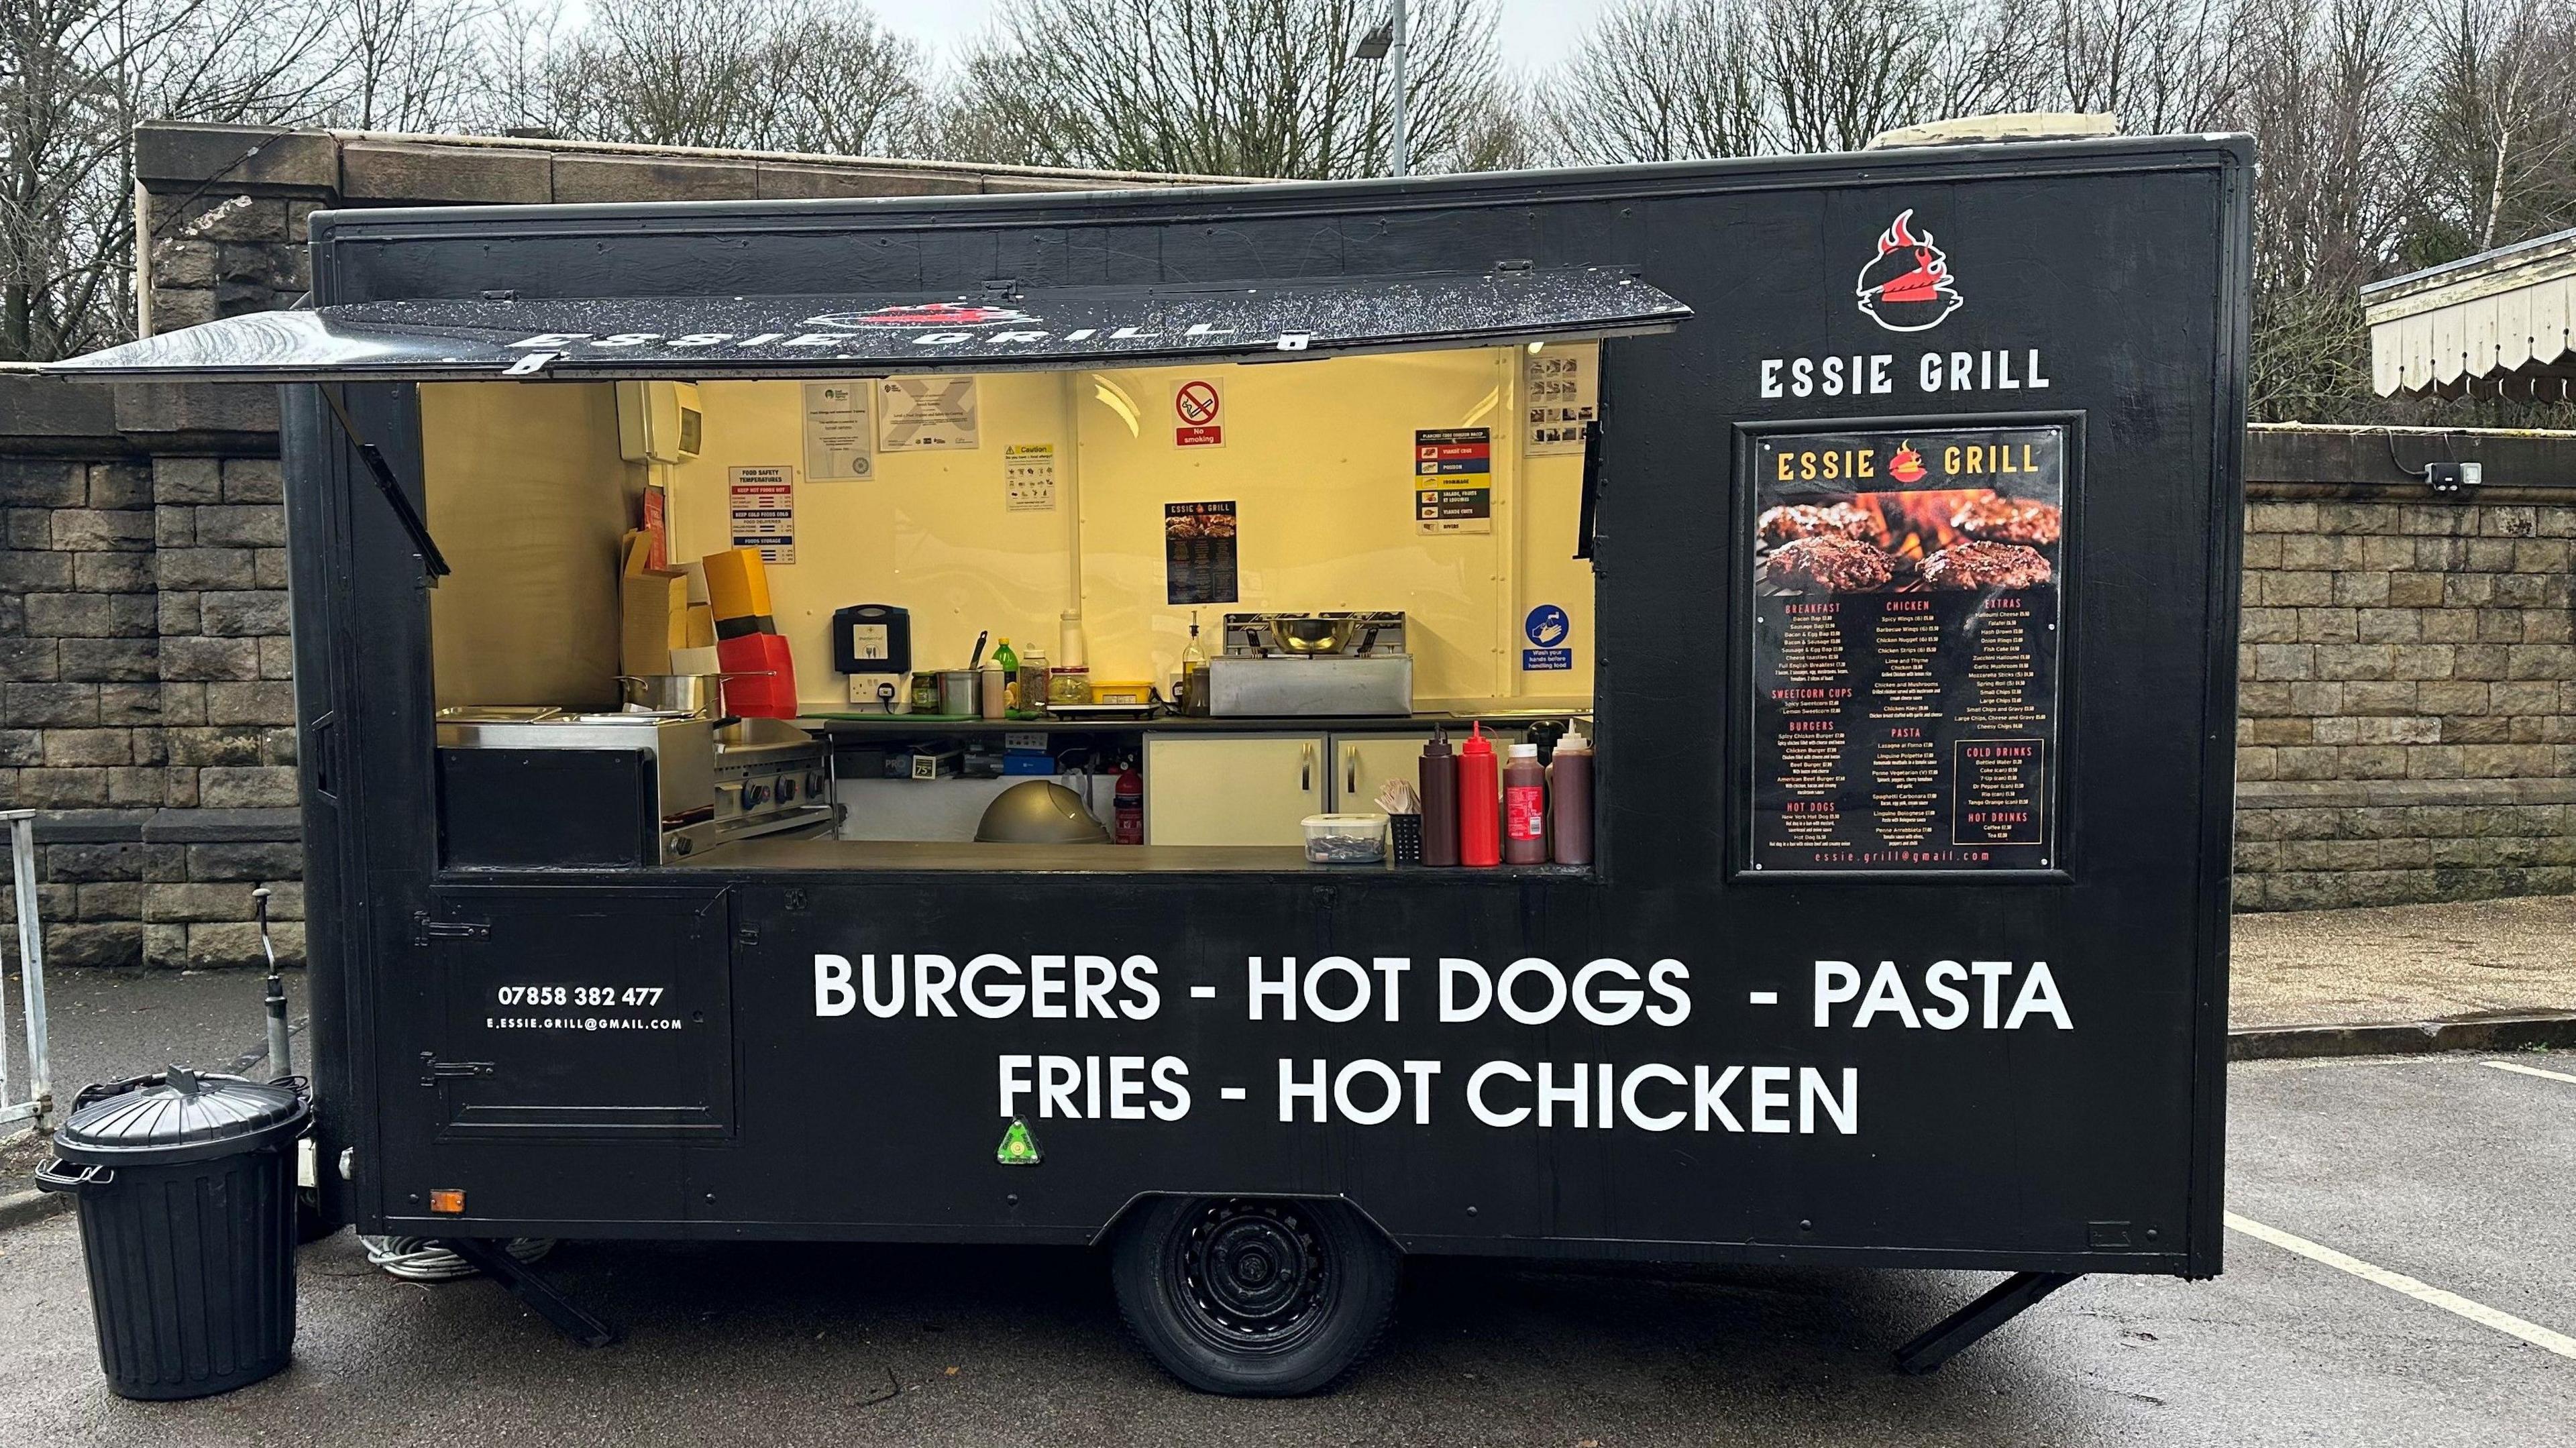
<point x="1900" y="541"/>
<point x="1905" y="591"/>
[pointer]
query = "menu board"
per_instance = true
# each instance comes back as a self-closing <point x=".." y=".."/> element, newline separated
<point x="1199" y="553"/>
<point x="1905" y="649"/>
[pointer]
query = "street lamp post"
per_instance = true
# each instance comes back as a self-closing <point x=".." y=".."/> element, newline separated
<point x="1386" y="43"/>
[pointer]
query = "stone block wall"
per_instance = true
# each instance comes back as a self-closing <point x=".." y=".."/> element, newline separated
<point x="146" y="693"/>
<point x="144" y="659"/>
<point x="2407" y="697"/>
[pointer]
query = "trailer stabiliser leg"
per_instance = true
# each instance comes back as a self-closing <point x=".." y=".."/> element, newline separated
<point x="2002" y="1305"/>
<point x="543" y="1297"/>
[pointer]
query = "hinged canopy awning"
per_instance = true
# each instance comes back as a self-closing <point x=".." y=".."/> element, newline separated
<point x="999" y="327"/>
<point x="2501" y="322"/>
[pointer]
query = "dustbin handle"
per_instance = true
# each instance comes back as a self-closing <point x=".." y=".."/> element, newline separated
<point x="100" y="1091"/>
<point x="82" y="1178"/>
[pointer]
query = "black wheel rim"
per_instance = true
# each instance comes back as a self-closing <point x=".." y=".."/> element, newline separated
<point x="1251" y="1277"/>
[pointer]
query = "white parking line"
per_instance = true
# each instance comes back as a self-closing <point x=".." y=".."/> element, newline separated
<point x="2530" y="1070"/>
<point x="2477" y="1312"/>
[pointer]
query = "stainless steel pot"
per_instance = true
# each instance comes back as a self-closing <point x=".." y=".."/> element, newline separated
<point x="692" y="694"/>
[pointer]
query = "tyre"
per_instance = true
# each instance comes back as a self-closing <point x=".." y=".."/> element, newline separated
<point x="310" y="1225"/>
<point x="1253" y="1296"/>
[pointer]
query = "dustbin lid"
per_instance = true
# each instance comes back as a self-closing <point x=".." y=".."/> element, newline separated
<point x="178" y="1116"/>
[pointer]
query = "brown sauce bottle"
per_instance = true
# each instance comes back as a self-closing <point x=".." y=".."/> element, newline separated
<point x="1569" y="782"/>
<point x="1439" y="800"/>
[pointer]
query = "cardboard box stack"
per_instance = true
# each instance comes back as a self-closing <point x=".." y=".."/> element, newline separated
<point x="747" y="641"/>
<point x="663" y="632"/>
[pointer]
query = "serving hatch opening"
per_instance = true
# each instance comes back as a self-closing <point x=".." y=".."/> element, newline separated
<point x="1416" y="516"/>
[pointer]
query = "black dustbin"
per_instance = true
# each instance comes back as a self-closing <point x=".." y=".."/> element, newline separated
<point x="187" y="1213"/>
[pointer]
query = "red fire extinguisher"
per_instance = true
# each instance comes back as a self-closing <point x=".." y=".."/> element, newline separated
<point x="1127" y="804"/>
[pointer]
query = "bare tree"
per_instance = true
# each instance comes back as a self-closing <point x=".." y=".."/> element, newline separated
<point x="75" y="78"/>
<point x="763" y="74"/>
<point x="1239" y="87"/>
<point x="1671" y="79"/>
<point x="2161" y="66"/>
<point x="1841" y="71"/>
<point x="2322" y="87"/>
<point x="2498" y="136"/>
<point x="1661" y="80"/>
<point x="412" y="65"/>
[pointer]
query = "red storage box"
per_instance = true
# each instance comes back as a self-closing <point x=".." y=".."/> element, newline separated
<point x="768" y="686"/>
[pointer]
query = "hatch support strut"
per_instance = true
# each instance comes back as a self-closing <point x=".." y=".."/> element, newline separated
<point x="542" y="1297"/>
<point x="2006" y="1302"/>
<point x="391" y="487"/>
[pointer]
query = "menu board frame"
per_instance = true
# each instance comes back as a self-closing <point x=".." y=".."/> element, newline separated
<point x="2059" y="805"/>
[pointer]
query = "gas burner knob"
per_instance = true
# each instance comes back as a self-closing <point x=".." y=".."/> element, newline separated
<point x="755" y="794"/>
<point x="786" y="789"/>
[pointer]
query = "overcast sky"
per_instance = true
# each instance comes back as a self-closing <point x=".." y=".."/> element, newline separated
<point x="1531" y="34"/>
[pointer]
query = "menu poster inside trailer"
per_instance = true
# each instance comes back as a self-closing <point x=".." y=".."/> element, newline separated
<point x="1199" y="553"/>
<point x="1905" y="649"/>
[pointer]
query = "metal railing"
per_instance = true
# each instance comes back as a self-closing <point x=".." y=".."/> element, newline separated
<point x="39" y="1100"/>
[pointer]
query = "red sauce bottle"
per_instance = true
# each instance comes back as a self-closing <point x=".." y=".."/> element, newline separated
<point x="1524" y="807"/>
<point x="1480" y="799"/>
<point x="1127" y="805"/>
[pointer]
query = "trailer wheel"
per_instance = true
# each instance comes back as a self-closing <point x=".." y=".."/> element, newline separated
<point x="1254" y="1297"/>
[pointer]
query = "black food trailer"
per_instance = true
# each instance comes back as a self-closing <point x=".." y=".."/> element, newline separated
<point x="1876" y="516"/>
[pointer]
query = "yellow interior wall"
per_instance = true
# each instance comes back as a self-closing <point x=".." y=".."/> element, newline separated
<point x="525" y="493"/>
<point x="1317" y="458"/>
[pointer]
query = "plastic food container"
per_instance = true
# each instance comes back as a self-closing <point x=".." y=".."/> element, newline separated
<point x="1346" y="839"/>
<point x="1121" y="691"/>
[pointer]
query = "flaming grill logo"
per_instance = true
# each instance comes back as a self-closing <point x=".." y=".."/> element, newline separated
<point x="1907" y="286"/>
<point x="924" y="314"/>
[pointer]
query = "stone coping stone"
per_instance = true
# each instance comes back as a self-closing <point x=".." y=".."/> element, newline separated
<point x="221" y="160"/>
<point x="2514" y="458"/>
<point x="55" y="416"/>
<point x="169" y="826"/>
<point x="2399" y="793"/>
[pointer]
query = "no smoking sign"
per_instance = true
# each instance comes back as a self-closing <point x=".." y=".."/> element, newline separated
<point x="1196" y="404"/>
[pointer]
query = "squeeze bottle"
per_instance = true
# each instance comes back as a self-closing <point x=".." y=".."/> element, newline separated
<point x="1127" y="805"/>
<point x="1524" y="807"/>
<point x="1569" y="781"/>
<point x="1480" y="794"/>
<point x="1439" y="800"/>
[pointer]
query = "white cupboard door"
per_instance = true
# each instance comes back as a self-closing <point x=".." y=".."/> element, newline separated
<point x="1363" y="763"/>
<point x="1234" y="789"/>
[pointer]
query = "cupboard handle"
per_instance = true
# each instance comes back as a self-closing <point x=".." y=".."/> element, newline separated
<point x="1351" y="769"/>
<point x="1306" y="769"/>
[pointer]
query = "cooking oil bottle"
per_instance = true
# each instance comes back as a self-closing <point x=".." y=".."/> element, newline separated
<point x="1194" y="672"/>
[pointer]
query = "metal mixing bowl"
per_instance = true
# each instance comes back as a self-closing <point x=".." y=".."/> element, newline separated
<point x="1311" y="635"/>
<point x="1039" y="812"/>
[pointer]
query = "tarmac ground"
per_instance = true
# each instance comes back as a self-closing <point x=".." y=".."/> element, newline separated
<point x="2445" y="1169"/>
